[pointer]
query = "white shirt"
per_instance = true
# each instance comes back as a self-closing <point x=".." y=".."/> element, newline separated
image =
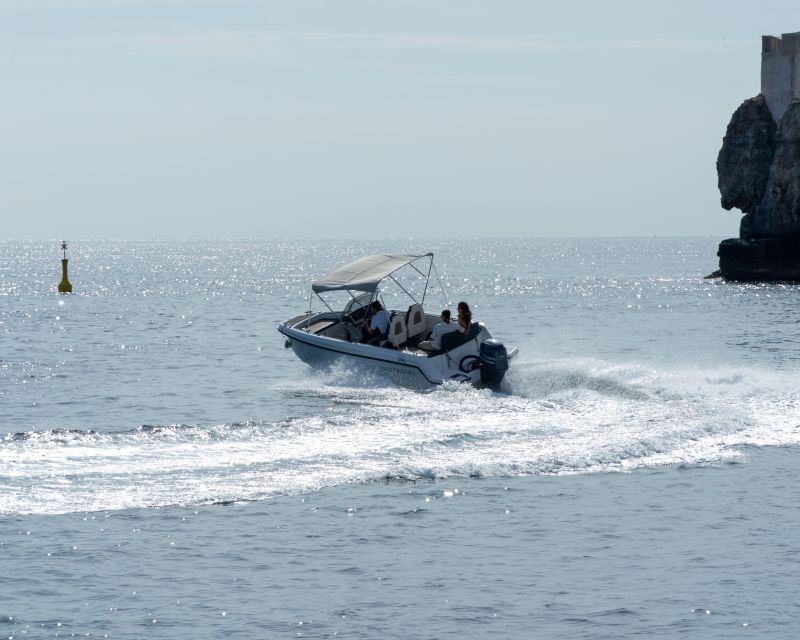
<point x="380" y="321"/>
<point x="440" y="329"/>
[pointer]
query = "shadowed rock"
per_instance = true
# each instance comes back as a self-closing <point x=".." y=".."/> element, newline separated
<point x="760" y="259"/>
<point x="778" y="214"/>
<point x="758" y="172"/>
<point x="747" y="150"/>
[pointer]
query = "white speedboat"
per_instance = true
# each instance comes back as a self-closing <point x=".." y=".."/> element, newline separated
<point x="321" y="339"/>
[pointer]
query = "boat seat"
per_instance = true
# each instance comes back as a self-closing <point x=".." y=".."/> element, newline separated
<point x="415" y="320"/>
<point x="455" y="339"/>
<point x="397" y="330"/>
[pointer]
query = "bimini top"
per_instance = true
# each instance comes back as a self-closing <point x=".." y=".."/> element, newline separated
<point x="365" y="273"/>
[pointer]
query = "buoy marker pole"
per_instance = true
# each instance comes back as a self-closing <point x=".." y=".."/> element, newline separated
<point x="65" y="286"/>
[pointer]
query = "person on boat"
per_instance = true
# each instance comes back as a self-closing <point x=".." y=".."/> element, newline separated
<point x="434" y="341"/>
<point x="464" y="316"/>
<point x="378" y="327"/>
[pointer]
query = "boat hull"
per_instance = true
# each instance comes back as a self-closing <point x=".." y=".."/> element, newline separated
<point x="398" y="366"/>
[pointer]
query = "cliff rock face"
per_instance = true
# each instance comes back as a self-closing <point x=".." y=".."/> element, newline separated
<point x="746" y="155"/>
<point x="778" y="214"/>
<point x="758" y="169"/>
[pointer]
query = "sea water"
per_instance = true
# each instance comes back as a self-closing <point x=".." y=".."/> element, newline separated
<point x="169" y="469"/>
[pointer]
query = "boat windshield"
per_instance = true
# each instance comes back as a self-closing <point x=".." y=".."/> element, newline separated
<point x="356" y="308"/>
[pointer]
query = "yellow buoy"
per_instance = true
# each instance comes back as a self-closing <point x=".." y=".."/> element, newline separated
<point x="65" y="286"/>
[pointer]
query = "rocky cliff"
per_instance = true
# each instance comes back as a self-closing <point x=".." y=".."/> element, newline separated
<point x="746" y="155"/>
<point x="758" y="169"/>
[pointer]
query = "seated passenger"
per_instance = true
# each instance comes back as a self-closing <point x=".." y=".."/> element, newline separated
<point x="464" y="317"/>
<point x="434" y="342"/>
<point x="378" y="327"/>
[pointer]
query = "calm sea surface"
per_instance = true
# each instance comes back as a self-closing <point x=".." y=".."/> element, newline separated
<point x="168" y="469"/>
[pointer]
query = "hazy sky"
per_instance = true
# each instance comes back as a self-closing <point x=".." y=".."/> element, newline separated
<point x="259" y="119"/>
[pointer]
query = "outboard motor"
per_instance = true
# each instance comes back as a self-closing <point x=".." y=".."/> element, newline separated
<point x="494" y="362"/>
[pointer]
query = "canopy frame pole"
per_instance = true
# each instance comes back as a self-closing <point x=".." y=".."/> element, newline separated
<point x="427" y="280"/>
<point x="441" y="286"/>
<point x="323" y="302"/>
<point x="402" y="287"/>
<point x="413" y="266"/>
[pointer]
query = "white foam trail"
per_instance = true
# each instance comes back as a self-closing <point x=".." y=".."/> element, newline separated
<point x="557" y="418"/>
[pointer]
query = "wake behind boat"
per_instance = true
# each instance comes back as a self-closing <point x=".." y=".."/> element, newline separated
<point x="402" y="352"/>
